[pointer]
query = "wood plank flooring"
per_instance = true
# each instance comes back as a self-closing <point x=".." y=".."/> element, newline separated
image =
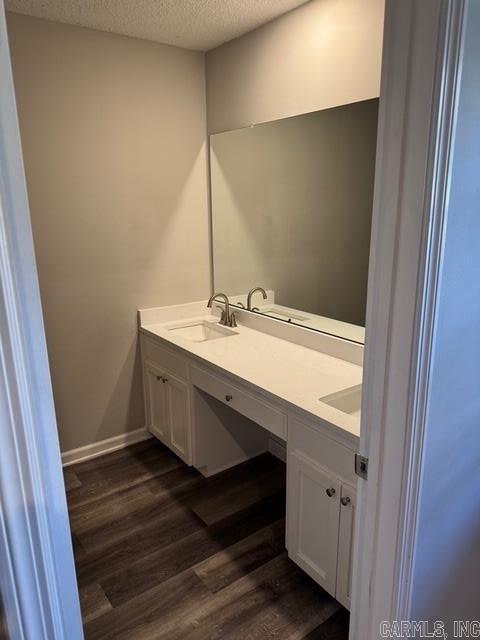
<point x="3" y="622"/>
<point x="165" y="554"/>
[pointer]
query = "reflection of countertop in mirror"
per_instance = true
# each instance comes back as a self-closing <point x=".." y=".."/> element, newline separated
<point x="291" y="373"/>
<point x="333" y="327"/>
<point x="312" y="321"/>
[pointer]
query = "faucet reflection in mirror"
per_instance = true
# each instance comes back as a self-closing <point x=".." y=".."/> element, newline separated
<point x="249" y="297"/>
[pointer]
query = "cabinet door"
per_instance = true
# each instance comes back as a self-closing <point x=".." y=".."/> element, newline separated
<point x="156" y="403"/>
<point x="178" y="409"/>
<point x="313" y="513"/>
<point x="345" y="544"/>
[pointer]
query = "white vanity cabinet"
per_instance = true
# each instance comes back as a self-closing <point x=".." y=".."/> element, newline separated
<point x="213" y="421"/>
<point x="320" y="507"/>
<point x="155" y="401"/>
<point x="313" y="514"/>
<point x="167" y="400"/>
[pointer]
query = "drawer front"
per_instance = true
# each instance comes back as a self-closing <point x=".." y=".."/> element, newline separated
<point x="164" y="358"/>
<point x="249" y="405"/>
<point x="311" y="442"/>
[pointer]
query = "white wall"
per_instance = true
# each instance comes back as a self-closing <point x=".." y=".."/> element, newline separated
<point x="292" y="209"/>
<point x="323" y="54"/>
<point x="113" y="132"/>
<point x="447" y="556"/>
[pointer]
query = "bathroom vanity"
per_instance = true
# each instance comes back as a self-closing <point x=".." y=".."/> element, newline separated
<point x="220" y="395"/>
<point x="291" y="204"/>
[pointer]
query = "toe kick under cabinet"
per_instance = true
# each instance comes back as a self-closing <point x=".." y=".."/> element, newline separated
<point x="213" y="423"/>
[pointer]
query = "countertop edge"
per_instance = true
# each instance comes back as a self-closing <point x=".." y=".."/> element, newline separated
<point x="336" y="432"/>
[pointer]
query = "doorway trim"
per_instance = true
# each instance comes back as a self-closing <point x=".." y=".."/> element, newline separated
<point x="420" y="70"/>
<point x="37" y="573"/>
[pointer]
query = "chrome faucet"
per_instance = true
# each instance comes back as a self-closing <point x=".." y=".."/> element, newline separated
<point x="249" y="298"/>
<point x="227" y="318"/>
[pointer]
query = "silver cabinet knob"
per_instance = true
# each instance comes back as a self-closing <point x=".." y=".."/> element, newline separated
<point x="330" y="492"/>
<point x="345" y="501"/>
<point x="228" y="398"/>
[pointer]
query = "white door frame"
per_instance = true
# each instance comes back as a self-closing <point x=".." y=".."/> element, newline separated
<point x="421" y="65"/>
<point x="37" y="573"/>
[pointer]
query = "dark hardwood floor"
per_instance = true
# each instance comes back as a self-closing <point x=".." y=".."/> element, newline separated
<point x="163" y="553"/>
<point x="3" y="622"/>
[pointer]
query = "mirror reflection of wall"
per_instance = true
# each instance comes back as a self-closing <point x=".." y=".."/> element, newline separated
<point x="291" y="210"/>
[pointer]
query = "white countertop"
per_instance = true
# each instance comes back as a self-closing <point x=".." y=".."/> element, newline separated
<point x="293" y="373"/>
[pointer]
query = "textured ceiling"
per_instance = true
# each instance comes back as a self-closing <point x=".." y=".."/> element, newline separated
<point x="193" y="24"/>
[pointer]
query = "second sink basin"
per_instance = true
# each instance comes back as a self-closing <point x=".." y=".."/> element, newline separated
<point x="347" y="400"/>
<point x="202" y="331"/>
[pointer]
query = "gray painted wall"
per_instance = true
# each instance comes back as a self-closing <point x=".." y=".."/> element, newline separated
<point x="447" y="557"/>
<point x="321" y="55"/>
<point x="114" y="141"/>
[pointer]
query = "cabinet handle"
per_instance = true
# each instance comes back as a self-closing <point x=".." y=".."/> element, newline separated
<point x="159" y="377"/>
<point x="164" y="380"/>
<point x="228" y="398"/>
<point x="330" y="492"/>
<point x="345" y="501"/>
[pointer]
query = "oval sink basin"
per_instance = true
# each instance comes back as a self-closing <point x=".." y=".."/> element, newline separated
<point x="347" y="400"/>
<point x="202" y="331"/>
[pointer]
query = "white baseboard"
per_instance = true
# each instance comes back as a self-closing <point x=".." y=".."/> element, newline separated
<point x="277" y="448"/>
<point x="104" y="446"/>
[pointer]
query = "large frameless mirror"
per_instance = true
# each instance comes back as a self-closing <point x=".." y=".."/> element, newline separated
<point x="291" y="214"/>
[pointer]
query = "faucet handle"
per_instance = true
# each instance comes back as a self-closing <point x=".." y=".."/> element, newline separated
<point x="233" y="319"/>
<point x="223" y="316"/>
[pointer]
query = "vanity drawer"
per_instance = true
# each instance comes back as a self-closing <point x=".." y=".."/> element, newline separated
<point x="164" y="358"/>
<point x="309" y="441"/>
<point x="249" y="405"/>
